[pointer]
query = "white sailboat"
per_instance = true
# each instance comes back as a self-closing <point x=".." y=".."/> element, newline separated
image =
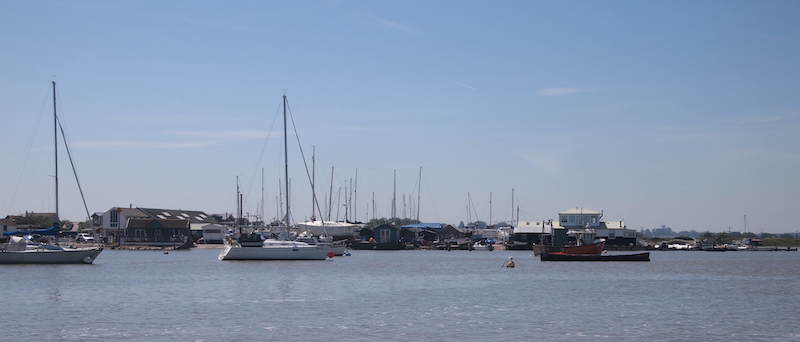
<point x="280" y="248"/>
<point x="34" y="247"/>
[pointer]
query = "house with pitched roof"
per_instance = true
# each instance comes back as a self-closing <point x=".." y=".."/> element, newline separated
<point x="141" y="225"/>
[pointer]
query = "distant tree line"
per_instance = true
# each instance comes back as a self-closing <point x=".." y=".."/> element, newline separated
<point x="33" y="221"/>
<point x="725" y="238"/>
<point x="667" y="232"/>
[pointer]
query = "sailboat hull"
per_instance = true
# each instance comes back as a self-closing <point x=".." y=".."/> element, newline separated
<point x="285" y="250"/>
<point x="47" y="256"/>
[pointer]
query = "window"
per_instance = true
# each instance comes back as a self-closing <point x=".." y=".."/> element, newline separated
<point x="385" y="236"/>
<point x="114" y="218"/>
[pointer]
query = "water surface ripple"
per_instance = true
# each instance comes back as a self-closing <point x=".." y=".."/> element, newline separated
<point x="405" y="296"/>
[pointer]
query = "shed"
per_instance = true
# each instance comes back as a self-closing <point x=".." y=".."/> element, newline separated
<point x="451" y="233"/>
<point x="386" y="233"/>
<point x="157" y="231"/>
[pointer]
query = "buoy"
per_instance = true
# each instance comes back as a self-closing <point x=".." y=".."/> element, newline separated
<point x="330" y="254"/>
<point x="510" y="262"/>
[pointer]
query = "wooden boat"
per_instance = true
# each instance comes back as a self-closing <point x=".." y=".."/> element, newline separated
<point x="560" y="256"/>
<point x="595" y="248"/>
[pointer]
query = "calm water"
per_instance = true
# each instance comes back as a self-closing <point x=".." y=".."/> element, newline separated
<point x="405" y="296"/>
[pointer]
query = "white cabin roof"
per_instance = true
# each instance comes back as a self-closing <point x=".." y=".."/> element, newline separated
<point x="582" y="211"/>
<point x="536" y="227"/>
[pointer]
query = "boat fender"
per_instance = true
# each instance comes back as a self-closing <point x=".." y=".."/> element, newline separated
<point x="330" y="254"/>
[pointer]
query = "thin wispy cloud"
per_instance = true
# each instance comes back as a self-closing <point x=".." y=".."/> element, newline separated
<point x="197" y="139"/>
<point x="549" y="164"/>
<point x="560" y="91"/>
<point x="388" y="24"/>
<point x="459" y="83"/>
<point x="760" y="119"/>
<point x="238" y="135"/>
<point x="104" y="145"/>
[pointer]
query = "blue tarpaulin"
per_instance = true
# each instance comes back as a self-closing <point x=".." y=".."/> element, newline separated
<point x="48" y="231"/>
<point x="424" y="226"/>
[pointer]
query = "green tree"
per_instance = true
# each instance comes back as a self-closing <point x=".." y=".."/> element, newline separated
<point x="393" y="221"/>
<point x="723" y="238"/>
<point x="34" y="221"/>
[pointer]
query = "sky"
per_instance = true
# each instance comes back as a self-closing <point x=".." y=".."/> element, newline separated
<point x="677" y="113"/>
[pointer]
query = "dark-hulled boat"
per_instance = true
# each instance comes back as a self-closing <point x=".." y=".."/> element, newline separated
<point x="594" y="257"/>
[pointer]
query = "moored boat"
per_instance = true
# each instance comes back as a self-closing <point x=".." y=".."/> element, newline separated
<point x="560" y="256"/>
<point x="22" y="250"/>
<point x="481" y="246"/>
<point x="35" y="247"/>
<point x="260" y="247"/>
<point x="272" y="249"/>
<point x="595" y="248"/>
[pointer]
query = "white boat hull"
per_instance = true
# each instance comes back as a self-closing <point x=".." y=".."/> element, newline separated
<point x="339" y="250"/>
<point x="51" y="256"/>
<point x="285" y="250"/>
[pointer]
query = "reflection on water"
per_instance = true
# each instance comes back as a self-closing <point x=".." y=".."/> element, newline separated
<point x="405" y="295"/>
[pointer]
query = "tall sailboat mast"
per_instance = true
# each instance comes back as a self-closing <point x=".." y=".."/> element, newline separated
<point x="286" y="160"/>
<point x="419" y="190"/>
<point x="512" y="207"/>
<point x="313" y="182"/>
<point x="394" y="196"/>
<point x="355" y="198"/>
<point x="330" y="197"/>
<point x="490" y="210"/>
<point x="55" y="144"/>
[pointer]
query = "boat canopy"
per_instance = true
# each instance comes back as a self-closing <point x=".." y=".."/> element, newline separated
<point x="329" y="228"/>
<point x="49" y="231"/>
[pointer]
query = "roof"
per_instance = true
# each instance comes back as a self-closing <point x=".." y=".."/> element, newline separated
<point x="194" y="216"/>
<point x="579" y="211"/>
<point x="423" y="226"/>
<point x="129" y="212"/>
<point x="386" y="226"/>
<point x="535" y="227"/>
<point x="612" y="224"/>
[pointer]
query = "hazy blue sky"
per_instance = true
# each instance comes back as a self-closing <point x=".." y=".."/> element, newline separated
<point x="676" y="113"/>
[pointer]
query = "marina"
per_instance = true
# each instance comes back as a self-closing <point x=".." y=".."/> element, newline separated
<point x="580" y="158"/>
<point x="406" y="295"/>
